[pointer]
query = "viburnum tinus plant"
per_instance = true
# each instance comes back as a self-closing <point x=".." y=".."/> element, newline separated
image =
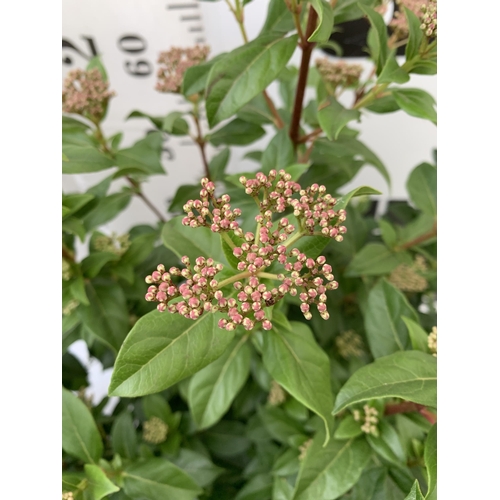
<point x="270" y="337"/>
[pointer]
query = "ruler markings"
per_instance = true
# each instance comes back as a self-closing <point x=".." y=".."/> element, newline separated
<point x="183" y="6"/>
<point x="191" y="18"/>
<point x="195" y="29"/>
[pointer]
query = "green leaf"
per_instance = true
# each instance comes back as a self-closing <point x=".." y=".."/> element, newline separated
<point x="73" y="202"/>
<point x="75" y="226"/>
<point x="96" y="62"/>
<point x="195" y="78"/>
<point x="416" y="35"/>
<point x="237" y="133"/>
<point x="415" y="493"/>
<point x="258" y="488"/>
<point x="228" y="251"/>
<point x="377" y="41"/>
<point x="296" y="362"/>
<point x="227" y="439"/>
<point x="278" y="19"/>
<point x="422" y="188"/>
<point x="256" y="111"/>
<point x="193" y="242"/>
<point x="107" y="316"/>
<point x="279" y="153"/>
<point x="157" y="478"/>
<point x="418" y="335"/>
<point x="392" y="72"/>
<point x="348" y="10"/>
<point x="184" y="193"/>
<point x="198" y="466"/>
<point x="77" y="288"/>
<point x="388" y="233"/>
<point x="280" y="426"/>
<point x="416" y="102"/>
<point x="387" y="444"/>
<point x="297" y="170"/>
<point x="332" y="470"/>
<point x="333" y="117"/>
<point x="430" y="457"/>
<point x="385" y="104"/>
<point x="217" y="165"/>
<point x="93" y="263"/>
<point x="154" y="405"/>
<point x="344" y="200"/>
<point x="213" y="389"/>
<point x="98" y="483"/>
<point x="145" y="154"/>
<point x="84" y="158"/>
<point x="157" y="121"/>
<point x="71" y="125"/>
<point x="174" y="124"/>
<point x="325" y="21"/>
<point x="123" y="436"/>
<point x="374" y="259"/>
<point x="385" y="328"/>
<point x="244" y="73"/>
<point x="107" y="209"/>
<point x="348" y="429"/>
<point x="409" y="375"/>
<point x="282" y="489"/>
<point x="80" y="437"/>
<point x="74" y="375"/>
<point x="169" y="346"/>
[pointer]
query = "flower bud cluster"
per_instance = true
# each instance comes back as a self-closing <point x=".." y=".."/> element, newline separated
<point x="67" y="495"/>
<point x="70" y="307"/>
<point x="276" y="395"/>
<point x="349" y="344"/>
<point x="369" y="416"/>
<point x="339" y="73"/>
<point x="302" y="276"/>
<point x="303" y="448"/>
<point x="407" y="278"/>
<point x="174" y="63"/>
<point x="429" y="19"/>
<point x="117" y="244"/>
<point x="154" y="430"/>
<point x="86" y="93"/>
<point x="432" y="341"/>
<point x="67" y="272"/>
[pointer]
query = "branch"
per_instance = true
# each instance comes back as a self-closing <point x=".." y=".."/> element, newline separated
<point x="201" y="144"/>
<point x="309" y="136"/>
<point x="409" y="407"/>
<point x="270" y="104"/>
<point x="307" y="48"/>
<point x="138" y="192"/>
<point x="420" y="239"/>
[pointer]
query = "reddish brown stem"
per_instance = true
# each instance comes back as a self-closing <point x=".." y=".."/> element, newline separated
<point x="270" y="104"/>
<point x="420" y="239"/>
<point x="408" y="407"/>
<point x="67" y="255"/>
<point x="309" y="136"/>
<point x="307" y="48"/>
<point x="201" y="144"/>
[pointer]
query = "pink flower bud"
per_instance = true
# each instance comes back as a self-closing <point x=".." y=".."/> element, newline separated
<point x="267" y="325"/>
<point x="161" y="296"/>
<point x="161" y="307"/>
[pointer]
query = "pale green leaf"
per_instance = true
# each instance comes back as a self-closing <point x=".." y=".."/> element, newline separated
<point x="324" y="27"/>
<point x="430" y="457"/>
<point x="333" y="117"/>
<point x="422" y="188"/>
<point x="98" y="483"/>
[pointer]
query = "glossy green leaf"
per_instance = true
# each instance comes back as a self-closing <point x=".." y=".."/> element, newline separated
<point x="377" y="42"/>
<point x="93" y="263"/>
<point x="385" y="328"/>
<point x="348" y="428"/>
<point x="107" y="316"/>
<point x="422" y="188"/>
<point x="164" y="348"/>
<point x="418" y="335"/>
<point x="278" y="19"/>
<point x="375" y="259"/>
<point x="409" y="375"/>
<point x="98" y="483"/>
<point x="144" y="154"/>
<point x="258" y="488"/>
<point x="84" y="158"/>
<point x="430" y="457"/>
<point x="237" y="133"/>
<point x="73" y="202"/>
<point x="244" y="73"/>
<point x="198" y="466"/>
<point x="213" y="389"/>
<point x="296" y="362"/>
<point x="80" y="437"/>
<point x="157" y="478"/>
<point x="332" y="470"/>
<point x="193" y="242"/>
<point x="416" y="102"/>
<point x="324" y="27"/>
<point x="344" y="200"/>
<point x="107" y="209"/>
<point x="123" y="436"/>
<point x="392" y="72"/>
<point x="256" y="111"/>
<point x="415" y="493"/>
<point x="195" y="78"/>
<point x="279" y="153"/>
<point x="416" y="34"/>
<point x="333" y="117"/>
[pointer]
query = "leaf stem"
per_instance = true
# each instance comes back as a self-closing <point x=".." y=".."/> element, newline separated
<point x="200" y="141"/>
<point x="228" y="240"/>
<point x="409" y="407"/>
<point x="294" y="238"/>
<point x="307" y="48"/>
<point x="420" y="239"/>
<point x="268" y="276"/>
<point x="232" y="279"/>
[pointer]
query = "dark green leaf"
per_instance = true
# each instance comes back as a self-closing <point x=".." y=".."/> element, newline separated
<point x="259" y="487"/>
<point x="385" y="104"/>
<point x="348" y="429"/>
<point x="422" y="188"/>
<point x="212" y="390"/>
<point x="282" y="489"/>
<point x="73" y="202"/>
<point x="168" y="345"/>
<point x="123" y="436"/>
<point x="296" y="362"/>
<point x="227" y="439"/>
<point x="388" y="233"/>
<point x="198" y="466"/>
<point x="280" y="426"/>
<point x="392" y="72"/>
<point x="375" y="259"/>
<point x="332" y="470"/>
<point x="385" y="328"/>
<point x="415" y="493"/>
<point x="416" y="102"/>
<point x="98" y="483"/>
<point x="157" y="121"/>
<point x="74" y="226"/>
<point x="409" y="375"/>
<point x="348" y="10"/>
<point x="430" y="456"/>
<point x="154" y="405"/>
<point x="387" y="444"/>
<point x="71" y="125"/>
<point x="279" y="18"/>
<point x="344" y="200"/>
<point x="237" y="133"/>
<point x="139" y="249"/>
<point x="377" y="42"/>
<point x="324" y="27"/>
<point x="195" y="78"/>
<point x="416" y="35"/>
<point x="245" y="72"/>
<point x="157" y="478"/>
<point x="174" y="124"/>
<point x="93" y="263"/>
<point x="184" y="193"/>
<point x="84" y="158"/>
<point x="77" y="288"/>
<point x="279" y="152"/>
<point x="74" y="375"/>
<point x="256" y="111"/>
<point x="217" y="165"/>
<point x="145" y="154"/>
<point x="418" y="335"/>
<point x="107" y="316"/>
<point x="80" y="436"/>
<point x="333" y="117"/>
<point x="107" y="209"/>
